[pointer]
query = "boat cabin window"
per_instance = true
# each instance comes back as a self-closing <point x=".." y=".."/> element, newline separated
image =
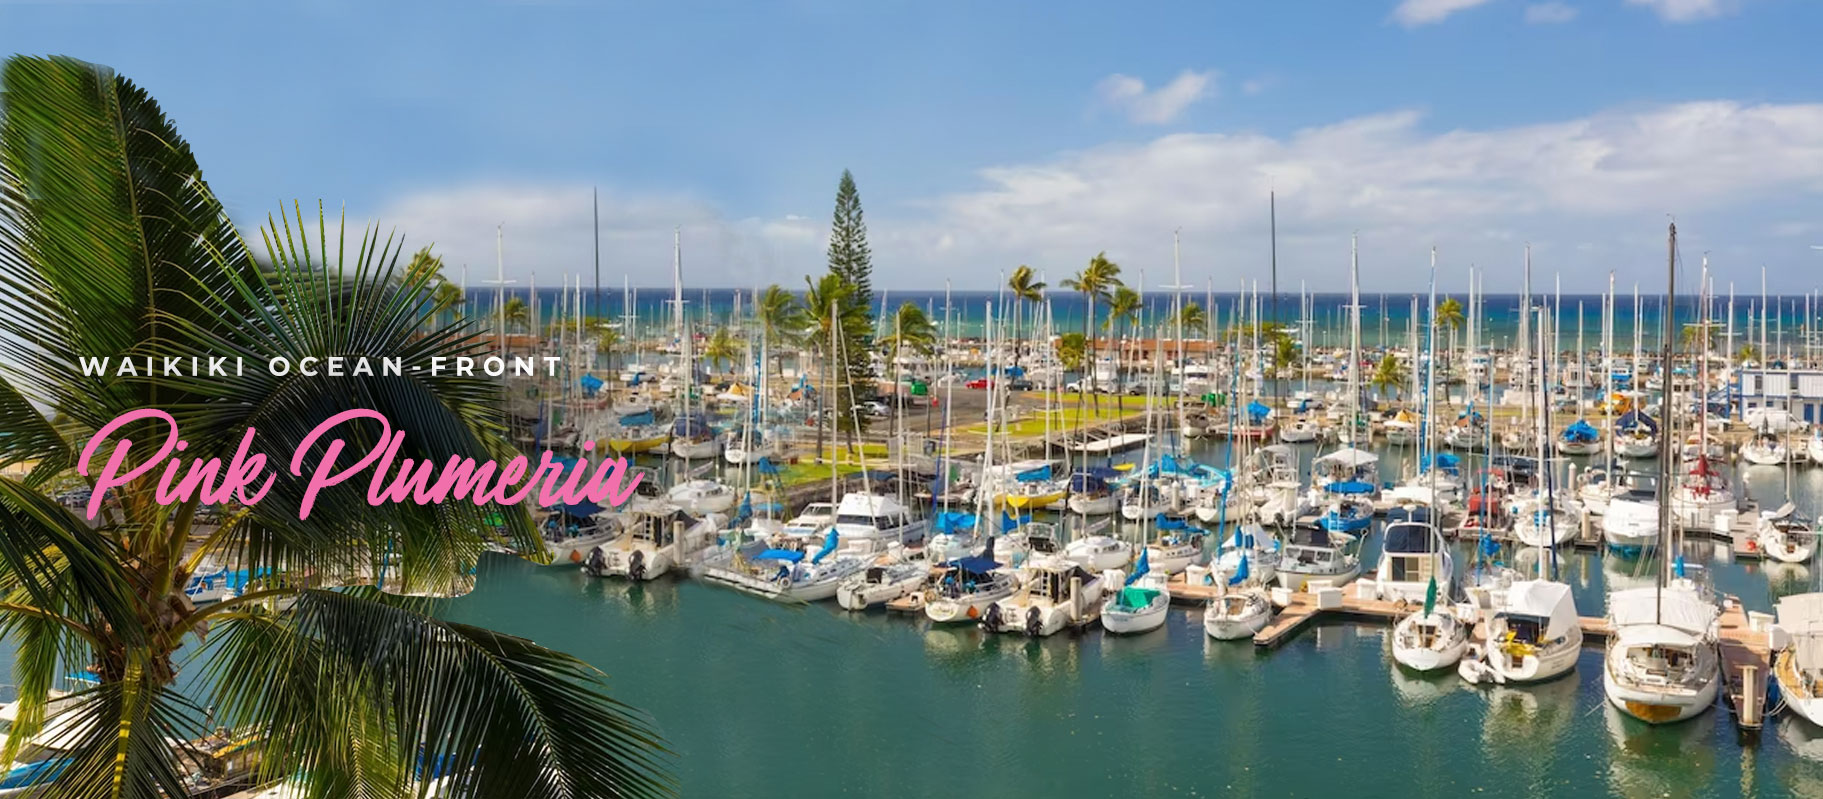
<point x="1525" y="629"/>
<point x="880" y="522"/>
<point x="1410" y="538"/>
<point x="1411" y="569"/>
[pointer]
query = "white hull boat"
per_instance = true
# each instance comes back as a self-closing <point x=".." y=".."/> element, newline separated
<point x="878" y="585"/>
<point x="1429" y="641"/>
<point x="1243" y="614"/>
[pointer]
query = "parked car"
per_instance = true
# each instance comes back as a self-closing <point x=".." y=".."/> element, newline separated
<point x="981" y="383"/>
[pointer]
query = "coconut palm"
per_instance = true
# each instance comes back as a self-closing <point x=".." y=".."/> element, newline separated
<point x="1093" y="282"/>
<point x="1450" y="318"/>
<point x="910" y="329"/>
<point x="721" y="348"/>
<point x="781" y="318"/>
<point x="1123" y="312"/>
<point x="1026" y="287"/>
<point x="1390" y="375"/>
<point x="829" y="314"/>
<point x="1193" y="317"/>
<point x="516" y="313"/>
<point x="111" y="244"/>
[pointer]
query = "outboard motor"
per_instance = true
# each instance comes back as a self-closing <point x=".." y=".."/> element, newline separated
<point x="1034" y="623"/>
<point x="636" y="565"/>
<point x="990" y="621"/>
<point x="597" y="563"/>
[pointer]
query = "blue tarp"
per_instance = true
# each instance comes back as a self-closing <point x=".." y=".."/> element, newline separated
<point x="790" y="555"/>
<point x="590" y="384"/>
<point x="1164" y="522"/>
<point x="1241" y="574"/>
<point x="953" y="521"/>
<point x="1034" y="475"/>
<point x="1636" y="419"/>
<point x="691" y="426"/>
<point x="1581" y="431"/>
<point x="1350" y="487"/>
<point x="766" y="466"/>
<point x="1257" y="411"/>
<point x="976" y="565"/>
<point x="633" y="419"/>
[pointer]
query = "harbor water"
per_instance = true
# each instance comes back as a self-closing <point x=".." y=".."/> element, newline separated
<point x="761" y="699"/>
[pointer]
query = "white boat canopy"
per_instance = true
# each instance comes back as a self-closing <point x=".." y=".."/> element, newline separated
<point x="1801" y="614"/>
<point x="1545" y="599"/>
<point x="874" y="505"/>
<point x="1681" y="610"/>
<point x="1347" y="456"/>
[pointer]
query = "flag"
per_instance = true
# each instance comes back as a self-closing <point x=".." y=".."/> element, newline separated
<point x="1430" y="597"/>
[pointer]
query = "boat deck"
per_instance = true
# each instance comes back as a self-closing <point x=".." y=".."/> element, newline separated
<point x="1745" y="652"/>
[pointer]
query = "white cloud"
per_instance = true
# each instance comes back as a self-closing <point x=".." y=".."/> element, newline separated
<point x="1590" y="193"/>
<point x="1412" y="13"/>
<point x="1253" y="86"/>
<point x="549" y="229"/>
<point x="1158" y="106"/>
<point x="1549" y="13"/>
<point x="1687" y="10"/>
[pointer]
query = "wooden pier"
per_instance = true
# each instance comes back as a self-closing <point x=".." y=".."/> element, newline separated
<point x="1745" y="652"/>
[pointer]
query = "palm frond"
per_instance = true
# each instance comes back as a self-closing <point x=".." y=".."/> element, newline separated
<point x="498" y="715"/>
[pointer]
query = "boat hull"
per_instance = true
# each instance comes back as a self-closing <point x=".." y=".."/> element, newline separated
<point x="1654" y="707"/>
<point x="1123" y="621"/>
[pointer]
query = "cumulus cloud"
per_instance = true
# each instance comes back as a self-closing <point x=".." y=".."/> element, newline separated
<point x="1157" y="106"/>
<point x="1412" y="13"/>
<point x="1549" y="13"/>
<point x="1687" y="10"/>
<point x="1591" y="194"/>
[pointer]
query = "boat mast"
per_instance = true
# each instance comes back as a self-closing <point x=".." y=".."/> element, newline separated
<point x="1664" y="440"/>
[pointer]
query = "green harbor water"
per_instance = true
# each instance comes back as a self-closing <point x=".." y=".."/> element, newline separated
<point x="760" y="699"/>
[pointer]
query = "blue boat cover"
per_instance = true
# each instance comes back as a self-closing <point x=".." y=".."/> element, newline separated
<point x="975" y="565"/>
<point x="790" y="555"/>
<point x="632" y="419"/>
<point x="829" y="545"/>
<point x="590" y="385"/>
<point x="1034" y="475"/>
<point x="1241" y="574"/>
<point x="1167" y="523"/>
<point x="1581" y="431"/>
<point x="1140" y="569"/>
<point x="1257" y="411"/>
<point x="1084" y="483"/>
<point x="951" y="521"/>
<point x="766" y="466"/>
<point x="1350" y="487"/>
<point x="690" y="426"/>
<point x="1009" y="523"/>
<point x="33" y="773"/>
<point x="1636" y="419"/>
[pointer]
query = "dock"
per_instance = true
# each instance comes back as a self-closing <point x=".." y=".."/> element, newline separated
<point x="1745" y="651"/>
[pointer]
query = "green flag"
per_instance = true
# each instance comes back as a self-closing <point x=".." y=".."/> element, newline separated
<point x="1430" y="596"/>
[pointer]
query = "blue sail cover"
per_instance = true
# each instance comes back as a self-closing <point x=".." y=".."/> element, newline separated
<point x="1581" y="432"/>
<point x="1140" y="569"/>
<point x="1241" y="574"/>
<point x="1081" y="483"/>
<point x="954" y="521"/>
<point x="1350" y="487"/>
<point x="1035" y="475"/>
<point x="590" y="384"/>
<point x="1636" y="419"/>
<point x="1164" y="522"/>
<point x="692" y="426"/>
<point x="829" y="545"/>
<point x="635" y="419"/>
<point x="787" y="555"/>
<point x="1257" y="411"/>
<point x="1008" y="523"/>
<point x="975" y="565"/>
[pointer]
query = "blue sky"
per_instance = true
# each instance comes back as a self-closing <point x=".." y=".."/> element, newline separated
<point x="985" y="135"/>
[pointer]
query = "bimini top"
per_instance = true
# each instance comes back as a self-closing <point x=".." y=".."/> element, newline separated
<point x="1350" y="487"/>
<point x="857" y="504"/>
<point x="1347" y="456"/>
<point x="975" y="565"/>
<point x="1411" y="538"/>
<point x="1680" y="610"/>
<point x="1544" y="599"/>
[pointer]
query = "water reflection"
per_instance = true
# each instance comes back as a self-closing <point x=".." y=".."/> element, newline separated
<point x="1670" y="760"/>
<point x="1419" y="690"/>
<point x="1525" y="722"/>
<point x="1785" y="579"/>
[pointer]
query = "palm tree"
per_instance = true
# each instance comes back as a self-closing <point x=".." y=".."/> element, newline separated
<point x="1123" y="312"/>
<point x="1093" y="282"/>
<point x="830" y="315"/>
<point x="112" y="244"/>
<point x="516" y="313"/>
<point x="1390" y="374"/>
<point x="1026" y="288"/>
<point x="720" y="347"/>
<point x="781" y="318"/>
<point x="1193" y="317"/>
<point x="446" y="296"/>
<point x="1070" y="350"/>
<point x="911" y="329"/>
<point x="1449" y="316"/>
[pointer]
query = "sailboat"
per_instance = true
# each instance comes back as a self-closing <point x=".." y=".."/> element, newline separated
<point x="1234" y="615"/>
<point x="1533" y="635"/>
<point x="1141" y="604"/>
<point x="1662" y="664"/>
<point x="882" y="583"/>
<point x="1798" y="668"/>
<point x="1430" y="639"/>
<point x="1786" y="536"/>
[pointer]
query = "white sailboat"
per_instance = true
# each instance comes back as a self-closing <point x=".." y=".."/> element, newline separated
<point x="1431" y="638"/>
<point x="1798" y="668"/>
<point x="1141" y="604"/>
<point x="1533" y="635"/>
